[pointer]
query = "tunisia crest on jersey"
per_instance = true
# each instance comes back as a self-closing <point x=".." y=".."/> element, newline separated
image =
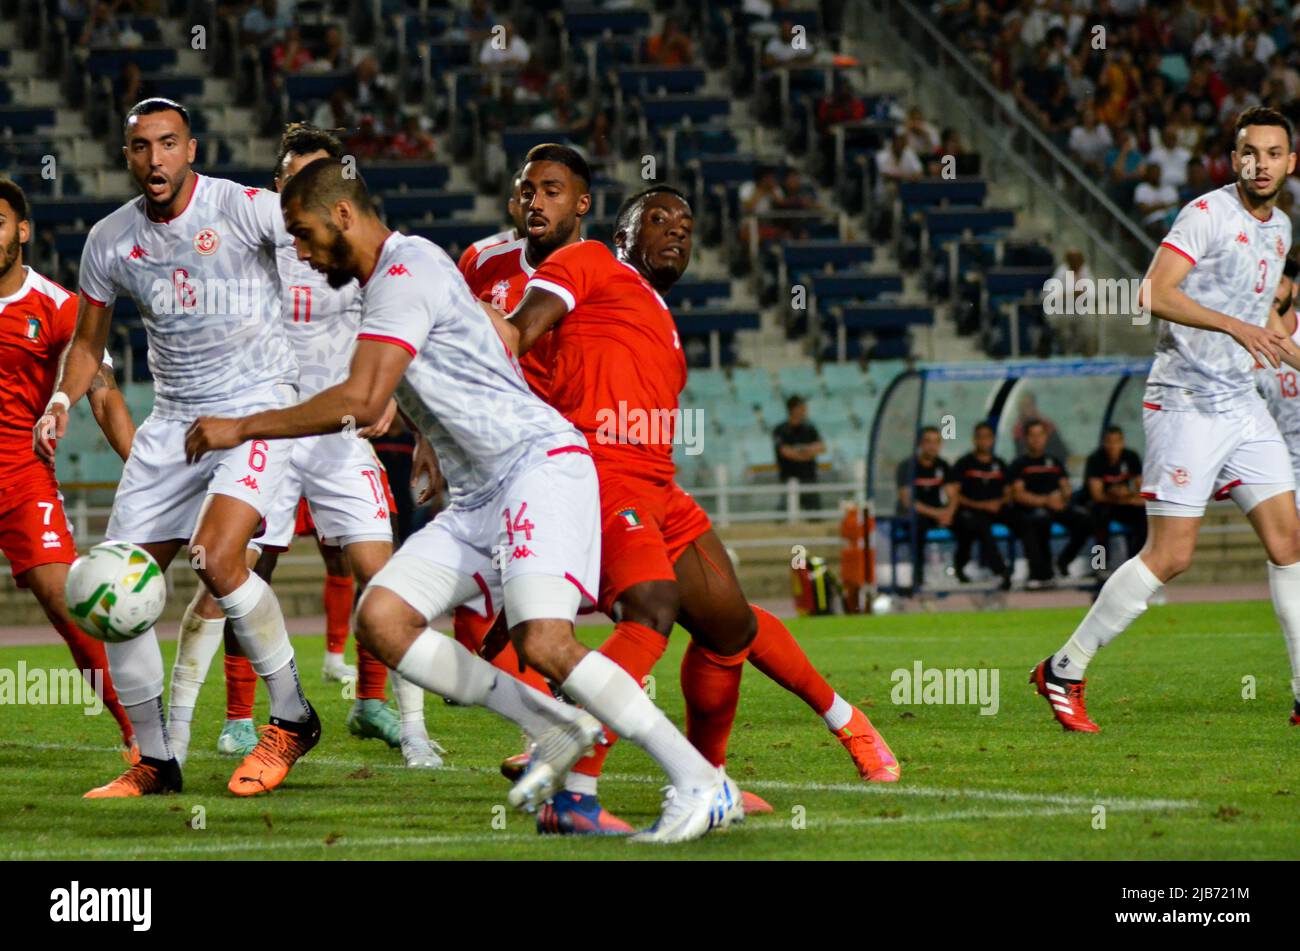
<point x="206" y="241"/>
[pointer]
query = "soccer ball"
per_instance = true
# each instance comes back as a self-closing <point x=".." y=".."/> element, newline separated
<point x="115" y="591"/>
<point x="882" y="604"/>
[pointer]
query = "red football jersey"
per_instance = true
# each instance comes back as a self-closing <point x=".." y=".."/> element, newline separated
<point x="617" y="362"/>
<point x="497" y="275"/>
<point x="482" y="244"/>
<point x="36" y="323"/>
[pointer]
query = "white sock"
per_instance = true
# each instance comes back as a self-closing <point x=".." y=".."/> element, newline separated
<point x="580" y="783"/>
<point x="197" y="645"/>
<point x="410" y="705"/>
<point x="1122" y="600"/>
<point x="178" y="730"/>
<point x="254" y="614"/>
<point x="1284" y="584"/>
<point x="609" y="693"/>
<point x="441" y="665"/>
<point x="838" y="714"/>
<point x="150" y="730"/>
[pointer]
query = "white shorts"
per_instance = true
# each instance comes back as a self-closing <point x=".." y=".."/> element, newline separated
<point x="1191" y="456"/>
<point x="160" y="495"/>
<point x="544" y="521"/>
<point x="342" y="482"/>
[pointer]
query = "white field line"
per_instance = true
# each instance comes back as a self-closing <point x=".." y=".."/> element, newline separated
<point x="755" y="825"/>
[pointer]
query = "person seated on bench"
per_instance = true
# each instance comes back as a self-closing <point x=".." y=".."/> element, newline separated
<point x="927" y="497"/>
<point x="1040" y="490"/>
<point x="983" y="500"/>
<point x="1113" y="479"/>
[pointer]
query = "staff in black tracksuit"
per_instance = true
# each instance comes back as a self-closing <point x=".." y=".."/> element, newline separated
<point x="983" y="500"/>
<point x="1040" y="489"/>
<point x="1113" y="481"/>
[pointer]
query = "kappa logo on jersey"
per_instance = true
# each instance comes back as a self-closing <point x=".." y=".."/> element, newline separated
<point x="249" y="481"/>
<point x="397" y="270"/>
<point x="1181" y="476"/>
<point x="137" y="253"/>
<point x="206" y="241"/>
<point x="1241" y="238"/>
<point x="521" y="551"/>
<point x="382" y="514"/>
<point x="1203" y="205"/>
<point x="251" y="193"/>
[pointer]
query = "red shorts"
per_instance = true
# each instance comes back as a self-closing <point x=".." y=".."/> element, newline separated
<point x="644" y="529"/>
<point x="34" y="530"/>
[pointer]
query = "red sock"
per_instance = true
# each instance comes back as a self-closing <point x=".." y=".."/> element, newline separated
<point x="508" y="660"/>
<point x="470" y="628"/>
<point x="636" y="648"/>
<point x="241" y="683"/>
<point x="338" y="612"/>
<point x="777" y="654"/>
<point x="88" y="654"/>
<point x="711" y="688"/>
<point x="371" y="676"/>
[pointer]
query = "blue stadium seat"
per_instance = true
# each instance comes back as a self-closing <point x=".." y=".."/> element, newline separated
<point x="108" y="61"/>
<point x="932" y="192"/>
<point x="672" y="110"/>
<point x="831" y="289"/>
<point x="644" y="81"/>
<point x="698" y="292"/>
<point x="804" y="256"/>
<point x="418" y="205"/>
<point x="304" y="87"/>
<point x="25" y="121"/>
<point x="398" y="176"/>
<point x="595" y="22"/>
<point x="455" y="236"/>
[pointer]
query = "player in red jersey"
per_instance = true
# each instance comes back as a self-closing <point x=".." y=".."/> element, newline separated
<point x="617" y="370"/>
<point x="515" y="211"/>
<point x="37" y="318"/>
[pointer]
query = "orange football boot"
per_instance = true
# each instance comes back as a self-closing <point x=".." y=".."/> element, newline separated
<point x="131" y="753"/>
<point x="280" y="745"/>
<point x="874" y="759"/>
<point x="148" y="777"/>
<point x="754" y="805"/>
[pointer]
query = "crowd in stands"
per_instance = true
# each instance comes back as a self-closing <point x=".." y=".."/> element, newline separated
<point x="1027" y="498"/>
<point x="1143" y="95"/>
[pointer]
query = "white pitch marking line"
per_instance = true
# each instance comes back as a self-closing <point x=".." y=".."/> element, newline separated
<point x="869" y="789"/>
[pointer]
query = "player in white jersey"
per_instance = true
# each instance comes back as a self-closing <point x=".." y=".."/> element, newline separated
<point x="342" y="481"/>
<point x="1281" y="387"/>
<point x="1207" y="428"/>
<point x="524" y="503"/>
<point x="197" y="255"/>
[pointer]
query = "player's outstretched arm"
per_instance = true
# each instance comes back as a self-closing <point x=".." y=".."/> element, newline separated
<point x="358" y="401"/>
<point x="110" y="411"/>
<point x="78" y="365"/>
<point x="1161" y="294"/>
<point x="537" y="313"/>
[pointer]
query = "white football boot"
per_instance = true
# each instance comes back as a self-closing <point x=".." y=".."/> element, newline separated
<point x="420" y="752"/>
<point x="554" y="755"/>
<point x="689" y="814"/>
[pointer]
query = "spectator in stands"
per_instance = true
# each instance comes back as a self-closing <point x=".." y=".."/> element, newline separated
<point x="370" y="90"/>
<point x="130" y="87"/>
<point x="1155" y="202"/>
<point x="1036" y="84"/>
<point x="504" y="49"/>
<point x="1188" y="133"/>
<point x="1216" y="41"/>
<point x="1090" y="141"/>
<point x="922" y="137"/>
<point x="1117" y="86"/>
<point x="412" y="142"/>
<point x="290" y="55"/>
<point x="1171" y="157"/>
<point x="965" y="162"/>
<point x="335" y="53"/>
<point x="475" y="23"/>
<point x="1198" y="182"/>
<point x="563" y="113"/>
<point x="927" y="497"/>
<point x="101" y="28"/>
<point x="670" y="47"/>
<point x="795" y="194"/>
<point x="1040" y="491"/>
<point x="367" y="142"/>
<point x="263" y="23"/>
<point x="1238" y="100"/>
<point x="335" y="113"/>
<point x="1077" y="81"/>
<point x="983" y="500"/>
<point x="756" y="198"/>
<point x="1074" y="277"/>
<point x="1113" y="482"/>
<point x="840" y="105"/>
<point x="791" y="48"/>
<point x="896" y="163"/>
<point x="798" y="444"/>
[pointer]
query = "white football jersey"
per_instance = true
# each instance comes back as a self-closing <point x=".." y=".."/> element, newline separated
<point x="1281" y="391"/>
<point x="207" y="287"/>
<point x="1237" y="261"/>
<point x="464" y="388"/>
<point x="320" y="321"/>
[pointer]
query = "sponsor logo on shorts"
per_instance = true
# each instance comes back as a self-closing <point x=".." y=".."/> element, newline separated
<point x="207" y="241"/>
<point x="1181" y="476"/>
<point x="50" y="540"/>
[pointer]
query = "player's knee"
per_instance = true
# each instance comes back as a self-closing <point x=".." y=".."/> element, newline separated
<point x="654" y="604"/>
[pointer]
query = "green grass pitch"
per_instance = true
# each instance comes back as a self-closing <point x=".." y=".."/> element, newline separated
<point x="1186" y="767"/>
